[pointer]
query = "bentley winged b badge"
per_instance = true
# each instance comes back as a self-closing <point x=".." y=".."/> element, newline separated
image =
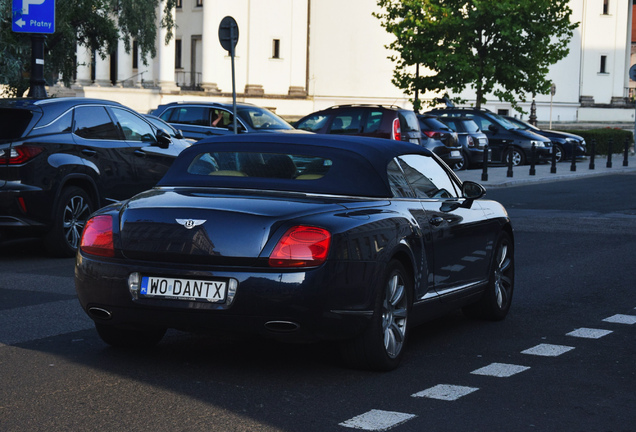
<point x="190" y="223"/>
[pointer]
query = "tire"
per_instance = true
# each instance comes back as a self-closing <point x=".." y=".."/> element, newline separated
<point x="560" y="154"/>
<point x="497" y="298"/>
<point x="129" y="338"/>
<point x="382" y="344"/>
<point x="70" y="214"/>
<point x="518" y="158"/>
<point x="463" y="164"/>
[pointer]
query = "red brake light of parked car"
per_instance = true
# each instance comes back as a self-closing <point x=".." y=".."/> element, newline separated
<point x="432" y="134"/>
<point x="19" y="154"/>
<point x="396" y="133"/>
<point x="301" y="246"/>
<point x="97" y="238"/>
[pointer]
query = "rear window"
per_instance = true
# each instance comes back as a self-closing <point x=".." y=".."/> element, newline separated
<point x="409" y="122"/>
<point x="430" y="123"/>
<point x="263" y="165"/>
<point x="13" y="122"/>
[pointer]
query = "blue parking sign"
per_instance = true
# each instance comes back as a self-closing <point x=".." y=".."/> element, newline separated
<point x="33" y="16"/>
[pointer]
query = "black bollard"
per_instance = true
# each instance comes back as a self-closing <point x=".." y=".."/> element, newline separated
<point x="609" y="153"/>
<point x="509" y="172"/>
<point x="592" y="153"/>
<point x="626" y="152"/>
<point x="533" y="158"/>
<point x="484" y="166"/>
<point x="573" y="166"/>
<point x="553" y="168"/>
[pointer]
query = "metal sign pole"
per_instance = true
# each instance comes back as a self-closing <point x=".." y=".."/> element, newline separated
<point x="232" y="30"/>
<point x="228" y="37"/>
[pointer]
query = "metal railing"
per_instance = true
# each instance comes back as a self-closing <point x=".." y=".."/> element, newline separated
<point x="188" y="80"/>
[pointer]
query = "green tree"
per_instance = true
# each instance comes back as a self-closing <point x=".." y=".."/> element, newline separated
<point x="95" y="24"/>
<point x="503" y="47"/>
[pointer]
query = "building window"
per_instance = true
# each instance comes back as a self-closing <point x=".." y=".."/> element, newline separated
<point x="135" y="54"/>
<point x="199" y="3"/>
<point x="603" y="69"/>
<point x="605" y="7"/>
<point x="179" y="4"/>
<point x="177" y="54"/>
<point x="276" y="48"/>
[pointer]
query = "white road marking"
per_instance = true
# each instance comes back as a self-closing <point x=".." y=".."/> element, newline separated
<point x="621" y="319"/>
<point x="377" y="420"/>
<point x="547" y="350"/>
<point x="502" y="370"/>
<point x="445" y="392"/>
<point x="589" y="333"/>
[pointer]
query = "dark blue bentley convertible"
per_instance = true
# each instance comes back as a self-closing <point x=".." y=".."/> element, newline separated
<point x="300" y="238"/>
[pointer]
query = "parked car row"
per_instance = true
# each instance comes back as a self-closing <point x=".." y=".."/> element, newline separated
<point x="63" y="158"/>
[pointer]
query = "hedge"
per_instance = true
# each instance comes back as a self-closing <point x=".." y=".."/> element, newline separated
<point x="602" y="138"/>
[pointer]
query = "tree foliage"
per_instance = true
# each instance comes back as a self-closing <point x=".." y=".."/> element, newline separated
<point x="95" y="24"/>
<point x="502" y="47"/>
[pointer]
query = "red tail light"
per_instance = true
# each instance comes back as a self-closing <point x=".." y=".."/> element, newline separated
<point x="97" y="238"/>
<point x="19" y="154"/>
<point x="301" y="246"/>
<point x="396" y="132"/>
<point x="432" y="134"/>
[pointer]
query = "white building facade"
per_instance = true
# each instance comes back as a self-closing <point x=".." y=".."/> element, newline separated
<point x="298" y="56"/>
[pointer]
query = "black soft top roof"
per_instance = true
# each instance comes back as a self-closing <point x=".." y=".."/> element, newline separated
<point x="359" y="163"/>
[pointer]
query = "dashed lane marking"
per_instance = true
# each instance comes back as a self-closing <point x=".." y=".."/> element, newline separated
<point x="548" y="350"/>
<point x="377" y="420"/>
<point x="502" y="370"/>
<point x="589" y="333"/>
<point x="621" y="319"/>
<point x="445" y="392"/>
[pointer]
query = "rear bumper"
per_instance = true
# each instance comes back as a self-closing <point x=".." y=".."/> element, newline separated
<point x="298" y="306"/>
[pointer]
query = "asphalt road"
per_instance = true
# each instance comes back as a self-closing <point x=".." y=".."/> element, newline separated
<point x="563" y="360"/>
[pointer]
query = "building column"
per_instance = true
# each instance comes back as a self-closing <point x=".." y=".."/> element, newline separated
<point x="102" y="71"/>
<point x="83" y="72"/>
<point x="165" y="55"/>
<point x="124" y="66"/>
<point x="209" y="37"/>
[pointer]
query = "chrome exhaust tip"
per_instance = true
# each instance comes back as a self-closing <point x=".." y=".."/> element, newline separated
<point x="100" y="313"/>
<point x="282" y="326"/>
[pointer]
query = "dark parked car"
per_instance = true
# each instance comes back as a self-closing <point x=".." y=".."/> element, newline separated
<point x="376" y="121"/>
<point x="199" y="120"/>
<point x="300" y="238"/>
<point x="471" y="138"/>
<point x="563" y="143"/>
<point x="504" y="139"/>
<point x="440" y="139"/>
<point x="63" y="158"/>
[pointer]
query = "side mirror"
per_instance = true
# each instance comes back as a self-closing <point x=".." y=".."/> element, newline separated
<point x="163" y="139"/>
<point x="179" y="134"/>
<point x="492" y="128"/>
<point x="472" y="190"/>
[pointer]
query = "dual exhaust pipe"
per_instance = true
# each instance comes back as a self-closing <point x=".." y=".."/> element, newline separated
<point x="273" y="326"/>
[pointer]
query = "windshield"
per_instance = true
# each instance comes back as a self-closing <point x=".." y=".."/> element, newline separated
<point x="503" y="122"/>
<point x="262" y="119"/>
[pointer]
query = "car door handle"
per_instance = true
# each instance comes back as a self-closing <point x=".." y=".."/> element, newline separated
<point x="89" y="152"/>
<point x="436" y="221"/>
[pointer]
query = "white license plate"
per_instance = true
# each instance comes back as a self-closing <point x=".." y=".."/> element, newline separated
<point x="414" y="141"/>
<point x="183" y="289"/>
<point x="455" y="153"/>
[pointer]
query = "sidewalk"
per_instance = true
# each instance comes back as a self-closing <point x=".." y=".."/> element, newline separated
<point x="497" y="175"/>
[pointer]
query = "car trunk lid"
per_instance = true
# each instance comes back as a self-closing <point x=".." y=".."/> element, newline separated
<point x="205" y="228"/>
